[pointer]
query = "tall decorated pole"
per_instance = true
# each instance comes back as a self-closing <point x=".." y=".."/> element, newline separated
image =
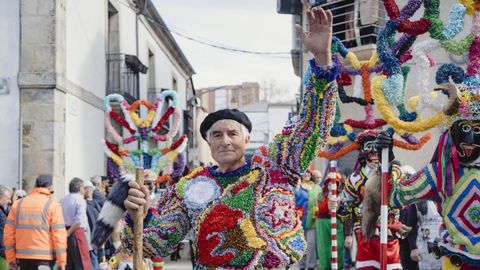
<point x="333" y="213"/>
<point x="384" y="211"/>
<point x="138" y="233"/>
<point x="140" y="152"/>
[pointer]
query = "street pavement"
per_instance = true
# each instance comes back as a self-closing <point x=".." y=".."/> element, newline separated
<point x="185" y="264"/>
<point x="182" y="264"/>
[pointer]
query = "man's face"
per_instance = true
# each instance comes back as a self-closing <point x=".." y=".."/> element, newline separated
<point x="88" y="192"/>
<point x="227" y="142"/>
<point x="466" y="137"/>
<point x="5" y="200"/>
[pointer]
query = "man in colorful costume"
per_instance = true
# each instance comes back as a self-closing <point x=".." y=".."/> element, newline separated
<point x="363" y="209"/>
<point x="242" y="211"/>
<point x="324" y="227"/>
<point x="452" y="180"/>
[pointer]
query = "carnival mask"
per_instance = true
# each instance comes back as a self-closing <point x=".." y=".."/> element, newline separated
<point x="466" y="137"/>
<point x="370" y="151"/>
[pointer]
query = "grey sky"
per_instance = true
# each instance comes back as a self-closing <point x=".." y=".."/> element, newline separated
<point x="249" y="24"/>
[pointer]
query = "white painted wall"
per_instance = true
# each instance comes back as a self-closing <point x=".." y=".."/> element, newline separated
<point x="10" y="104"/>
<point x="259" y="127"/>
<point x="127" y="28"/>
<point x="165" y="67"/>
<point x="84" y="132"/>
<point x="86" y="68"/>
<point x="85" y="44"/>
<point x="277" y="117"/>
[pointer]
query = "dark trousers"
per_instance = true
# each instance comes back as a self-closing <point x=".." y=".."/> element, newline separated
<point x="26" y="264"/>
<point x="405" y="259"/>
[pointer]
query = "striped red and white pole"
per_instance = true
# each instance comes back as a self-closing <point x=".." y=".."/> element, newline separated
<point x="333" y="213"/>
<point x="384" y="211"/>
<point x="158" y="263"/>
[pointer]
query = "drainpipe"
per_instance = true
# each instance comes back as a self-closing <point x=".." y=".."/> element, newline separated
<point x="20" y="119"/>
<point x="136" y="51"/>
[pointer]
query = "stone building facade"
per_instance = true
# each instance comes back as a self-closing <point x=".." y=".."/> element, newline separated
<point x="63" y="49"/>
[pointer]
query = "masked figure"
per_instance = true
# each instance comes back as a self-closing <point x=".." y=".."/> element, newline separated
<point x="451" y="180"/>
<point x="363" y="210"/>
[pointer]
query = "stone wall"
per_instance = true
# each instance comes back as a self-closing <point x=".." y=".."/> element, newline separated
<point x="42" y="96"/>
<point x="43" y="115"/>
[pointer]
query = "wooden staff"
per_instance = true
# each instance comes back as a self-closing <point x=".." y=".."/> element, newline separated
<point x="333" y="213"/>
<point x="138" y="228"/>
<point x="384" y="211"/>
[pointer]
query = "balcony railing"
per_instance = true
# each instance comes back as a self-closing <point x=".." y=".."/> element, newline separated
<point x="152" y="94"/>
<point x="356" y="23"/>
<point x="121" y="78"/>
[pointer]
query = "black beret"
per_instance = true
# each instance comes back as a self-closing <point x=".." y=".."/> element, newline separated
<point x="43" y="180"/>
<point x="232" y="114"/>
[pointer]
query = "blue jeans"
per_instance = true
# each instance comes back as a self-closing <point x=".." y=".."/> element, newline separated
<point x="94" y="259"/>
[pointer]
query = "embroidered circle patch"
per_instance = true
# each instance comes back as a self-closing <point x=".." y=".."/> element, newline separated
<point x="199" y="192"/>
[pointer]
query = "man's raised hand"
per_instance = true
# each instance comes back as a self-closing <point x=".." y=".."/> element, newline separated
<point x="318" y="40"/>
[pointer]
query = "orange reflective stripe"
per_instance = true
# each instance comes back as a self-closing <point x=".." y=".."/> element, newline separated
<point x="45" y="210"/>
<point x="18" y="211"/>
<point x="32" y="227"/>
<point x="34" y="252"/>
<point x="57" y="226"/>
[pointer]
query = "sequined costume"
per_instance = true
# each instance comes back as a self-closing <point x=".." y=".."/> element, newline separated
<point x="451" y="180"/>
<point x="246" y="219"/>
<point x="460" y="232"/>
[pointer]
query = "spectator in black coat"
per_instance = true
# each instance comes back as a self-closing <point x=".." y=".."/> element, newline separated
<point x="93" y="210"/>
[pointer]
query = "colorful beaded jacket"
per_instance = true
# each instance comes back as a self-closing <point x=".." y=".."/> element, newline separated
<point x="246" y="219"/>
<point x="460" y="231"/>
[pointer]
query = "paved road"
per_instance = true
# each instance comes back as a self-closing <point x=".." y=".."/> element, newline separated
<point x="185" y="264"/>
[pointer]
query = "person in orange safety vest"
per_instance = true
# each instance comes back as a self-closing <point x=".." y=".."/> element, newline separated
<point x="35" y="233"/>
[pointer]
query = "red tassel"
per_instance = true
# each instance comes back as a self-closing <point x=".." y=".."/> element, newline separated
<point x="121" y="121"/>
<point x="164" y="119"/>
